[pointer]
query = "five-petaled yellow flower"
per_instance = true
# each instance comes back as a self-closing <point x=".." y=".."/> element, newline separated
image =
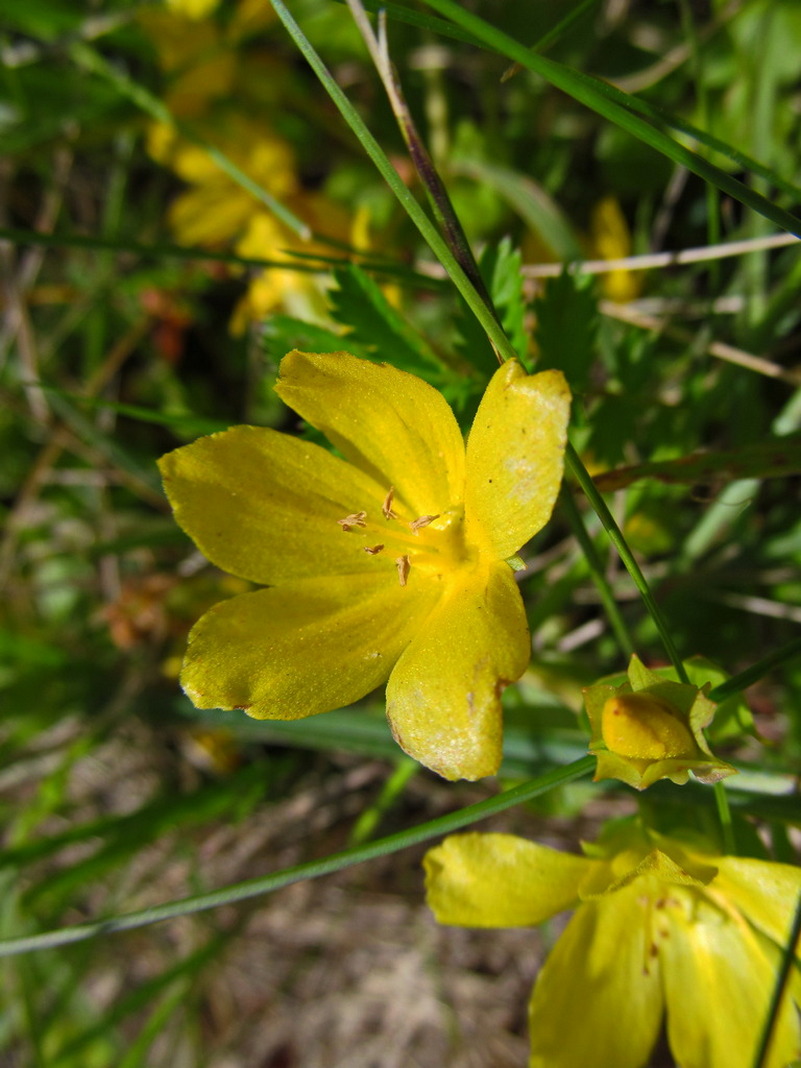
<point x="664" y="932"/>
<point x="386" y="565"/>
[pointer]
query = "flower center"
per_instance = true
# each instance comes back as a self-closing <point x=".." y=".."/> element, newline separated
<point x="431" y="544"/>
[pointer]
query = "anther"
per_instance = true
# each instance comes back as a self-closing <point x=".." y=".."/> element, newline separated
<point x="386" y="507"/>
<point x="421" y="521"/>
<point x="358" y="519"/>
<point x="403" y="566"/>
<point x="373" y="550"/>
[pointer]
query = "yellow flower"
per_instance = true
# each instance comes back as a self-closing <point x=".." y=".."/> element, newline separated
<point x="662" y="929"/>
<point x="611" y="240"/>
<point x="651" y="728"/>
<point x="386" y="566"/>
<point x="192" y="9"/>
<point x="215" y="210"/>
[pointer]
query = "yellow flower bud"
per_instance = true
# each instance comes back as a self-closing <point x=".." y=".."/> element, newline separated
<point x="644" y="727"/>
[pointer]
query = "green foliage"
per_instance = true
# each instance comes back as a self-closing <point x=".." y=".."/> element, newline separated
<point x="567" y="320"/>
<point x="358" y="304"/>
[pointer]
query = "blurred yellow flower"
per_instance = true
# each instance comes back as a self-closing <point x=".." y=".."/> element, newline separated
<point x="664" y="932"/>
<point x="386" y="566"/>
<point x="227" y="97"/>
<point x="192" y="9"/>
<point x="651" y="728"/>
<point x="215" y="210"/>
<point x="610" y="240"/>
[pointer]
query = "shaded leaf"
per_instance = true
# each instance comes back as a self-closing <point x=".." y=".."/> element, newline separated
<point x="359" y="305"/>
<point x="771" y="459"/>
<point x="567" y="319"/>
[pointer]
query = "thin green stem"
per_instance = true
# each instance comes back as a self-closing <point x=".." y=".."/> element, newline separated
<point x="368" y="820"/>
<point x="300" y="261"/>
<point x="618" y="107"/>
<point x="753" y="674"/>
<point x="648" y="111"/>
<point x="423" y="223"/>
<point x="788" y="961"/>
<point x="582" y="476"/>
<point x="595" y="565"/>
<point x="724" y="816"/>
<point x="438" y="198"/>
<point x="266" y="884"/>
<point x="89" y="59"/>
<point x="554" y="33"/>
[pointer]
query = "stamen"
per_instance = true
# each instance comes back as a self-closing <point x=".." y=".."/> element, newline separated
<point x="421" y="521"/>
<point x="386" y="507"/>
<point x="358" y="519"/>
<point x="373" y="550"/>
<point x="403" y="566"/>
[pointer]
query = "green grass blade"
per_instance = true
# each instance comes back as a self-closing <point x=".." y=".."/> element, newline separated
<point x="583" y="478"/>
<point x="90" y="60"/>
<point x="753" y="674"/>
<point x="418" y="216"/>
<point x="251" y="888"/>
<point x="616" y="106"/>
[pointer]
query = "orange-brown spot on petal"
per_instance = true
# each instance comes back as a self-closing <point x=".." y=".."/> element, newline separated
<point x="357" y="519"/>
<point x="422" y="521"/>
<point x="403" y="566"/>
<point x="386" y="507"/>
<point x="373" y="550"/>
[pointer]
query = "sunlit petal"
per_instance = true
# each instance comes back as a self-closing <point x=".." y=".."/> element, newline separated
<point x="719" y="975"/>
<point x="302" y="648"/>
<point x="766" y="893"/>
<point x="443" y="698"/>
<point x="515" y="456"/>
<point x="598" y="999"/>
<point x="499" y="880"/>
<point x="266" y="506"/>
<point x="390" y="424"/>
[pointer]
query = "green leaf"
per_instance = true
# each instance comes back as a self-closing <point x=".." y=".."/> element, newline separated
<point x="501" y="267"/>
<point x="531" y="203"/>
<point x="764" y="459"/>
<point x="567" y="319"/>
<point x="42" y="18"/>
<point x="283" y="333"/>
<point x="359" y="305"/>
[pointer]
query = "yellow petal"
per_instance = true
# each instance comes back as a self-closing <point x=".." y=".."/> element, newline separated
<point x="389" y="423"/>
<point x="499" y="880"/>
<point x="515" y="457"/>
<point x="210" y="214"/>
<point x="296" y="650"/>
<point x="719" y="977"/>
<point x="765" y="892"/>
<point x="644" y="727"/>
<point x="598" y="999"/>
<point x="443" y="698"/>
<point x="265" y="506"/>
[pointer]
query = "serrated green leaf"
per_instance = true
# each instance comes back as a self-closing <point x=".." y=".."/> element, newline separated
<point x="567" y="319"/>
<point x="472" y="343"/>
<point x="359" y="305"/>
<point x="502" y="270"/>
<point x="283" y="333"/>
